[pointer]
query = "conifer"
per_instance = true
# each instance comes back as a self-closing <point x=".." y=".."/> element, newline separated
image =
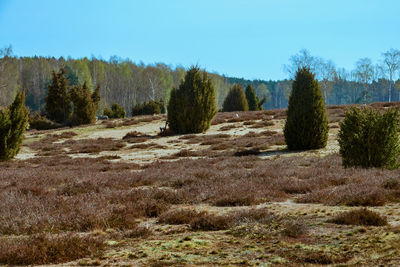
<point x="251" y="97"/>
<point x="235" y="100"/>
<point x="58" y="102"/>
<point x="306" y="124"/>
<point x="192" y="106"/>
<point x="13" y="123"/>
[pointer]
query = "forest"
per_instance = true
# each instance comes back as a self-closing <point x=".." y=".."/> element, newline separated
<point x="128" y="83"/>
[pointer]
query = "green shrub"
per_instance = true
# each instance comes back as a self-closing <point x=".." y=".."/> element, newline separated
<point x="85" y="104"/>
<point x="70" y="105"/>
<point x="307" y="123"/>
<point x="192" y="106"/>
<point x="235" y="100"/>
<point x="149" y="108"/>
<point x="369" y="138"/>
<point x="116" y="111"/>
<point x="13" y="122"/>
<point x="38" y="122"/>
<point x="253" y="100"/>
<point x="58" y="102"/>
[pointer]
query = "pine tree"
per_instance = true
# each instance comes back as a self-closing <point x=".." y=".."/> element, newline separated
<point x="58" y="102"/>
<point x="307" y="124"/>
<point x="84" y="106"/>
<point x="251" y="97"/>
<point x="235" y="100"/>
<point x="192" y="106"/>
<point x="13" y="123"/>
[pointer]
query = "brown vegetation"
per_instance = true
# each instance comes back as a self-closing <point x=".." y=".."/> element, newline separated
<point x="212" y="184"/>
<point x="45" y="249"/>
<point x="360" y="217"/>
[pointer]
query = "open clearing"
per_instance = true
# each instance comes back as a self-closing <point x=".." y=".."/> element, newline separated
<point x="117" y="194"/>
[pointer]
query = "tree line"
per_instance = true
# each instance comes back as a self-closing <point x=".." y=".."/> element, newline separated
<point x="127" y="83"/>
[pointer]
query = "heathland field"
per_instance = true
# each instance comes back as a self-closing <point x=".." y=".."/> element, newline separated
<point x="118" y="193"/>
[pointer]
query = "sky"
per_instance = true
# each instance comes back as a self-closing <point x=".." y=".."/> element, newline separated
<point x="241" y="38"/>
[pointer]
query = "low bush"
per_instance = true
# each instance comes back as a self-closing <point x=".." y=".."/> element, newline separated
<point x="247" y="152"/>
<point x="149" y="108"/>
<point x="235" y="200"/>
<point x="38" y="122"/>
<point x="198" y="220"/>
<point x="115" y="112"/>
<point x="369" y="138"/>
<point x="249" y="215"/>
<point x="179" y="216"/>
<point x="361" y="216"/>
<point x="211" y="222"/>
<point x="45" y="249"/>
<point x="354" y="194"/>
<point x="294" y="228"/>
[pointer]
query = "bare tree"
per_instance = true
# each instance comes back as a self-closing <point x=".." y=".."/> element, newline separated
<point x="391" y="63"/>
<point x="300" y="60"/>
<point x="326" y="73"/>
<point x="6" y="51"/>
<point x="364" y="74"/>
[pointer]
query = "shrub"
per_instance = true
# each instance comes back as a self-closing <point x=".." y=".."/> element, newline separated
<point x="247" y="152"/>
<point x="38" y="122"/>
<point x="149" y="108"/>
<point x="235" y="100"/>
<point x="43" y="249"/>
<point x="13" y="122"/>
<point x="192" y="106"/>
<point x="361" y="216"/>
<point x="294" y="228"/>
<point x="85" y="104"/>
<point x="306" y="124"/>
<point x="370" y="138"/>
<point x="58" y="102"/>
<point x="235" y="200"/>
<point x="210" y="222"/>
<point x="179" y="216"/>
<point x="116" y="111"/>
<point x="253" y="100"/>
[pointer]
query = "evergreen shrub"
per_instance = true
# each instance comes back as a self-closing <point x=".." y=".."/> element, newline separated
<point x="192" y="106"/>
<point x="235" y="100"/>
<point x="306" y="125"/>
<point x="369" y="138"/>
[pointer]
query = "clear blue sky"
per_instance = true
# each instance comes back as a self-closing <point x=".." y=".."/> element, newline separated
<point x="242" y="38"/>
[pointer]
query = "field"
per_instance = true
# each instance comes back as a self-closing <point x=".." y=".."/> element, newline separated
<point x="118" y="193"/>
